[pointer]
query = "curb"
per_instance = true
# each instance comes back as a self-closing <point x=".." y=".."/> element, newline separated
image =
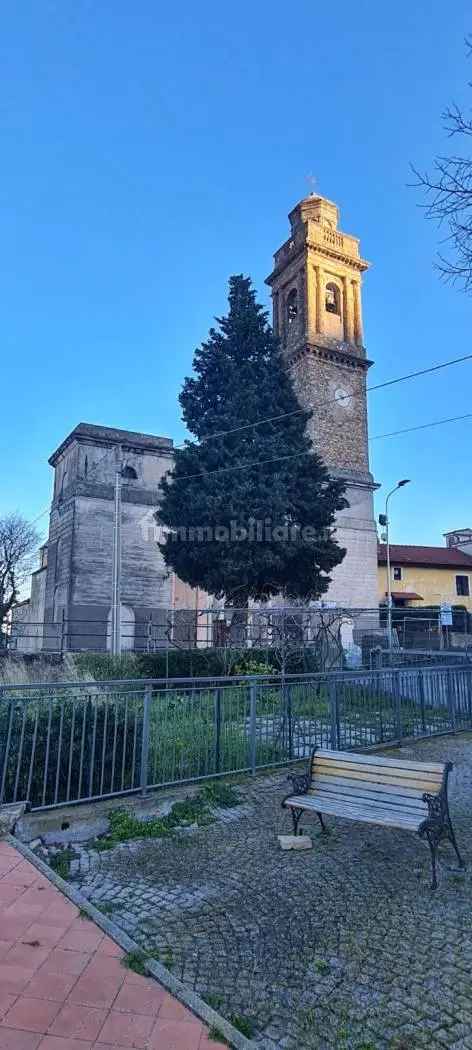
<point x="155" y="969"/>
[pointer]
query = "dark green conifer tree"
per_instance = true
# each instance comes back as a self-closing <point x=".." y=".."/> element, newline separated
<point x="250" y="511"/>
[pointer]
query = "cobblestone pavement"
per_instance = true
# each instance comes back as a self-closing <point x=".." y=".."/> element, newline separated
<point x="343" y="946"/>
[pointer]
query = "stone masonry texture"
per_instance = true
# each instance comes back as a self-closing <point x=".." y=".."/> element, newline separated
<point x="343" y="947"/>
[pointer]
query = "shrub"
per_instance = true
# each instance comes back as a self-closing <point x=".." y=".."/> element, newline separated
<point x="176" y="663"/>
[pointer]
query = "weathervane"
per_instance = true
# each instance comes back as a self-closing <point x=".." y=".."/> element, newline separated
<point x="311" y="180"/>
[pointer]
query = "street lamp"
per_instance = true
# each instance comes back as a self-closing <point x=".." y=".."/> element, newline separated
<point x="383" y="520"/>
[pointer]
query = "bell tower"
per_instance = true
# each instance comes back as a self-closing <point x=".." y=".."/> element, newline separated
<point x="317" y="315"/>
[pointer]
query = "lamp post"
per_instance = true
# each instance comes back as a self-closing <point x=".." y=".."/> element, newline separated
<point x="383" y="519"/>
<point x="126" y="473"/>
<point x="116" y="570"/>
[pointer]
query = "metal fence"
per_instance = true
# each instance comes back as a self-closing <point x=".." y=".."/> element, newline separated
<point x="68" y="743"/>
<point x="289" y="638"/>
<point x="270" y="627"/>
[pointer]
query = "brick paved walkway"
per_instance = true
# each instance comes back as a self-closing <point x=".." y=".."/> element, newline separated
<point x="340" y="948"/>
<point x="62" y="985"/>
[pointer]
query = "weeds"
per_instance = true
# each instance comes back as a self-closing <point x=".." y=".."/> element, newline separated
<point x="322" y="967"/>
<point x="60" y="862"/>
<point x="243" y="1024"/>
<point x="216" y="1036"/>
<point x="136" y="961"/>
<point x="125" y="826"/>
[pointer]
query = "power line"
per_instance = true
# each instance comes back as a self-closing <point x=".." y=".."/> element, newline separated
<point x="330" y="401"/>
<point x="304" y="452"/>
<point x="318" y="404"/>
<point x="423" y="426"/>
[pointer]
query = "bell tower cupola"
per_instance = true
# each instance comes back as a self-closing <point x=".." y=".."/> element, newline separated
<point x="316" y="281"/>
<point x="316" y="291"/>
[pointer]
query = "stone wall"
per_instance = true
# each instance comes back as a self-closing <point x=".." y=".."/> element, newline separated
<point x="338" y="427"/>
<point x="80" y="560"/>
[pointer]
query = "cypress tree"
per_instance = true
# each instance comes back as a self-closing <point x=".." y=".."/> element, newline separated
<point x="250" y="509"/>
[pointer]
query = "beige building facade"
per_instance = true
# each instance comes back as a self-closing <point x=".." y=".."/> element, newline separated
<point x="317" y="309"/>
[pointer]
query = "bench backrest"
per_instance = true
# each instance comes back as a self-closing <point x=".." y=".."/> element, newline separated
<point x="373" y="778"/>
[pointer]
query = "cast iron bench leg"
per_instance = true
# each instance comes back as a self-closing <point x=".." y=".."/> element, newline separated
<point x="452" y="839"/>
<point x="434" y="851"/>
<point x="296" y="814"/>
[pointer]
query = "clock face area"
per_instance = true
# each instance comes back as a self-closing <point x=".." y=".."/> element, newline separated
<point x="342" y="395"/>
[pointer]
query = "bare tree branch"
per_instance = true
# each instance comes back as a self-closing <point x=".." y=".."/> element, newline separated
<point x="448" y="193"/>
<point x="18" y="544"/>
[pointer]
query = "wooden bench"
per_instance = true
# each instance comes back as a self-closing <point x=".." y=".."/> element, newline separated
<point x="374" y="790"/>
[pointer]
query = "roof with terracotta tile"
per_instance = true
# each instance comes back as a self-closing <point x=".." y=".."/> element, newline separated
<point x="439" y="557"/>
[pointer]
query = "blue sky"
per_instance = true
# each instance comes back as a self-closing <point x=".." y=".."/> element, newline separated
<point x="151" y="150"/>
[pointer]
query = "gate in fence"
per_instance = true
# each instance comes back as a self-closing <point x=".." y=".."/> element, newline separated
<point x="68" y="743"/>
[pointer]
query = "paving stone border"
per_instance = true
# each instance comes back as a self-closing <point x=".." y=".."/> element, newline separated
<point x="169" y="981"/>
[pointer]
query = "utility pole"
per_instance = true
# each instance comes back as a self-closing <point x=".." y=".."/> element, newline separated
<point x="116" y="572"/>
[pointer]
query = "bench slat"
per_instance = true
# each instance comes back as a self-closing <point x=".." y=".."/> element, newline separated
<point x="425" y="782"/>
<point x="365" y="814"/>
<point x="376" y="805"/>
<point x="379" y="760"/>
<point x="350" y="785"/>
<point x="393" y="770"/>
<point x="338" y="791"/>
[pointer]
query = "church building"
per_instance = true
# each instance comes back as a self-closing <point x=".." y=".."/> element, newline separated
<point x="317" y="314"/>
<point x="316" y="290"/>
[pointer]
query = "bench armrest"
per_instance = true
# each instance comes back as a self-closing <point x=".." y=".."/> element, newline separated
<point x="437" y="805"/>
<point x="300" y="783"/>
<point x="438" y="810"/>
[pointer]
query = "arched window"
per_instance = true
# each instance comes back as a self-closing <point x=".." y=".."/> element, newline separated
<point x="292" y="307"/>
<point x="332" y="299"/>
<point x="129" y="472"/>
<point x="85" y="466"/>
<point x="64" y="481"/>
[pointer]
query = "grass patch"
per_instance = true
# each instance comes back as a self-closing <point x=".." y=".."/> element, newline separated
<point x="322" y="967"/>
<point x="60" y="862"/>
<point x="124" y="826"/>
